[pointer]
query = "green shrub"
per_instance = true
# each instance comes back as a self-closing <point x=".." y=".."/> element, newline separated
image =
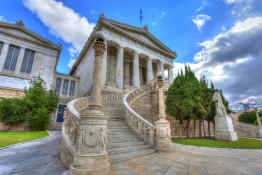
<point x="35" y="107"/>
<point x="12" y="110"/>
<point x="39" y="119"/>
<point x="249" y="117"/>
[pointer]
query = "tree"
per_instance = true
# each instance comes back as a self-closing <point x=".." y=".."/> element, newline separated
<point x="39" y="104"/>
<point x="191" y="99"/>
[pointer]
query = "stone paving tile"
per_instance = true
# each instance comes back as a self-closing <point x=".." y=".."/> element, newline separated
<point x="41" y="158"/>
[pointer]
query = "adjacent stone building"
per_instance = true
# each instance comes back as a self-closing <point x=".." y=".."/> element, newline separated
<point x="24" y="55"/>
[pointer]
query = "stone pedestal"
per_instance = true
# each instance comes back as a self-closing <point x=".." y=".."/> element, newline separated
<point x="92" y="157"/>
<point x="225" y="129"/>
<point x="163" y="137"/>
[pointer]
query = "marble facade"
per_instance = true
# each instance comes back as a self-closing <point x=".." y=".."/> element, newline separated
<point x="133" y="57"/>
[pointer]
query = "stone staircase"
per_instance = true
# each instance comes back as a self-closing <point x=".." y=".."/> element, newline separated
<point x="124" y="144"/>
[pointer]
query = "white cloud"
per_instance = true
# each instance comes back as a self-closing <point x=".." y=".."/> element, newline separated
<point x="232" y="60"/>
<point x="232" y="1"/>
<point x="62" y="21"/>
<point x="162" y="14"/>
<point x="154" y="23"/>
<point x="200" y="20"/>
<point x="2" y="18"/>
<point x="71" y="62"/>
<point x="204" y="3"/>
<point x="224" y="28"/>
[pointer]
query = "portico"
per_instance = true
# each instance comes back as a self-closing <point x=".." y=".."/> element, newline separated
<point x="125" y="67"/>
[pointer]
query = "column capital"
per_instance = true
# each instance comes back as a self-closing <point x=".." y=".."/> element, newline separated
<point x="99" y="47"/>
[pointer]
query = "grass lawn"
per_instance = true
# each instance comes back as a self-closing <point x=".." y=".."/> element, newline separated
<point x="242" y="143"/>
<point x="9" y="138"/>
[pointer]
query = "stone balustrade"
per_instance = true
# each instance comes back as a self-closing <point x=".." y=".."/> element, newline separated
<point x="71" y="129"/>
<point x="141" y="126"/>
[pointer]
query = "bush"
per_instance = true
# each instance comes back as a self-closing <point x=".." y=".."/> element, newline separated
<point x="39" y="119"/>
<point x="39" y="103"/>
<point x="12" y="110"/>
<point x="249" y="117"/>
<point x="35" y="107"/>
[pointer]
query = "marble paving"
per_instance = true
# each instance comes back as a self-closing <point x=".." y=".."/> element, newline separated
<point x="40" y="157"/>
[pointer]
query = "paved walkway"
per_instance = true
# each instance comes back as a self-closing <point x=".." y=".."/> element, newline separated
<point x="38" y="157"/>
<point x="41" y="158"/>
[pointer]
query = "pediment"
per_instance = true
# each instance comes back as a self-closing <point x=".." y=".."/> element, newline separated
<point x="24" y="34"/>
<point x="139" y="34"/>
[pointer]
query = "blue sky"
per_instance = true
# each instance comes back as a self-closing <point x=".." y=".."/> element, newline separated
<point x="198" y="30"/>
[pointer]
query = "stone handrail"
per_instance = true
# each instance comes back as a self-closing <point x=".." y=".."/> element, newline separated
<point x="71" y="126"/>
<point x="141" y="126"/>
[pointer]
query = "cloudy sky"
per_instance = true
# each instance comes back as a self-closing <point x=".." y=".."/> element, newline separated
<point x="221" y="39"/>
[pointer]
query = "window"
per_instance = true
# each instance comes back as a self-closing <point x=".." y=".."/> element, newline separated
<point x="1" y="47"/>
<point x="28" y="61"/>
<point x="65" y="87"/>
<point x="72" y="88"/>
<point x="60" y="113"/>
<point x="11" y="59"/>
<point x="58" y="85"/>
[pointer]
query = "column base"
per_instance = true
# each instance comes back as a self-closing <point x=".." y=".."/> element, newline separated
<point x="93" y="165"/>
<point x="226" y="135"/>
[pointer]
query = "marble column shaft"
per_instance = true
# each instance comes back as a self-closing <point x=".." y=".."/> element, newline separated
<point x="136" y="78"/>
<point x="162" y="69"/>
<point x="3" y="55"/>
<point x="120" y="68"/>
<point x="149" y="70"/>
<point x="96" y="95"/>
<point x="104" y="67"/>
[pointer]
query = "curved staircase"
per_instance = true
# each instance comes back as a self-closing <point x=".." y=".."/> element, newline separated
<point x="124" y="144"/>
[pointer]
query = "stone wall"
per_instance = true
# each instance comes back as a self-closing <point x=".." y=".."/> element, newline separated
<point x="180" y="129"/>
<point x="14" y="127"/>
<point x="245" y="130"/>
<point x="10" y="93"/>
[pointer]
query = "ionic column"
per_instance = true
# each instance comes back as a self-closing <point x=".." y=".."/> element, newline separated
<point x="170" y="75"/>
<point x="104" y="67"/>
<point x="149" y="70"/>
<point x="161" y="66"/>
<point x="136" y="78"/>
<point x="91" y="156"/>
<point x="96" y="94"/>
<point x="120" y="68"/>
<point x="3" y="55"/>
<point x="163" y="131"/>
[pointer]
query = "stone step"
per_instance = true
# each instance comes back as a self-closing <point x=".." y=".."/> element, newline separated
<point x="122" y="140"/>
<point x="119" y="130"/>
<point x="128" y="149"/>
<point x="118" y="127"/>
<point x="121" y="134"/>
<point x="130" y="155"/>
<point x="125" y="144"/>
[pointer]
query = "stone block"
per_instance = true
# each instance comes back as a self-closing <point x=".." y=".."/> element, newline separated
<point x="225" y="129"/>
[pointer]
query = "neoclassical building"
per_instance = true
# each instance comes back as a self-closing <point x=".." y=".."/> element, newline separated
<point x="133" y="57"/>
